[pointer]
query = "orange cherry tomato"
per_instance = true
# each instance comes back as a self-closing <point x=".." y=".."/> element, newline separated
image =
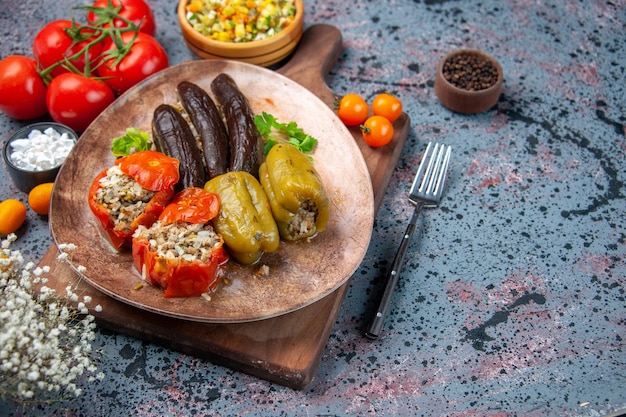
<point x="387" y="106"/>
<point x="39" y="198"/>
<point x="352" y="109"/>
<point x="12" y="216"/>
<point x="377" y="131"/>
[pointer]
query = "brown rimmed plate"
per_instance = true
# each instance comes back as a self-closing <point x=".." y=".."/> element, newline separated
<point x="299" y="273"/>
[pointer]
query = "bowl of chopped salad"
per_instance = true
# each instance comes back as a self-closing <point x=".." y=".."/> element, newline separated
<point x="260" y="32"/>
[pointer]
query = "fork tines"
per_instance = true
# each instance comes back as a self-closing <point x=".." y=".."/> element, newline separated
<point x="431" y="175"/>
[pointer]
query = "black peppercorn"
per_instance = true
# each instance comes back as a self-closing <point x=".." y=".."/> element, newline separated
<point x="470" y="72"/>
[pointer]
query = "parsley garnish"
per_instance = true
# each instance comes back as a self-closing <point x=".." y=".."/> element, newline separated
<point x="134" y="140"/>
<point x="274" y="132"/>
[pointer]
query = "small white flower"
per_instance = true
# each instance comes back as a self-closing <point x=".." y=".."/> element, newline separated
<point x="45" y="346"/>
<point x="67" y="247"/>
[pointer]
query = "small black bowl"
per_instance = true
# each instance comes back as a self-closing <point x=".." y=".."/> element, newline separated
<point x="26" y="180"/>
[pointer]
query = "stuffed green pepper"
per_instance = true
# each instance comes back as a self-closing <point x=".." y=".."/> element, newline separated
<point x="245" y="219"/>
<point x="295" y="191"/>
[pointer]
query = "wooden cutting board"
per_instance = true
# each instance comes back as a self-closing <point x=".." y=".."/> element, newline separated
<point x="285" y="349"/>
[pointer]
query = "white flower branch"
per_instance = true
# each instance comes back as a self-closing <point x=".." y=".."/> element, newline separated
<point x="46" y="342"/>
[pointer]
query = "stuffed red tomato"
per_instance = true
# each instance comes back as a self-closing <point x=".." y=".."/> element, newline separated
<point x="132" y="193"/>
<point x="181" y="252"/>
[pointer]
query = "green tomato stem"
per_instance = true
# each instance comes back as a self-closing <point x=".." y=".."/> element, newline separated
<point x="104" y="29"/>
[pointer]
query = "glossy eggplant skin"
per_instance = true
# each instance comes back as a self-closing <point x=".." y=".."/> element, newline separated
<point x="246" y="143"/>
<point x="208" y="123"/>
<point x="173" y="136"/>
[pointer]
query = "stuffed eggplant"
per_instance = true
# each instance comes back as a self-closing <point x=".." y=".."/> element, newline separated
<point x="173" y="136"/>
<point x="246" y="143"/>
<point x="206" y="119"/>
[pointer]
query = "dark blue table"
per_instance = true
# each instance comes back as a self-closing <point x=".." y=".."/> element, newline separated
<point x="512" y="300"/>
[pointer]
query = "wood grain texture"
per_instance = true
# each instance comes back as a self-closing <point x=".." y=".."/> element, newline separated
<point x="284" y="349"/>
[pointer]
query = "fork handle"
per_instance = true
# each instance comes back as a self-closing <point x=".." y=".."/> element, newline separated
<point x="375" y="326"/>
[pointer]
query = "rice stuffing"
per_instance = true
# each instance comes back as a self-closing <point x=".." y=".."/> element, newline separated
<point x="184" y="241"/>
<point x="303" y="223"/>
<point x="124" y="198"/>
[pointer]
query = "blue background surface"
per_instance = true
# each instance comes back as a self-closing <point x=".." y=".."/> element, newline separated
<point x="512" y="300"/>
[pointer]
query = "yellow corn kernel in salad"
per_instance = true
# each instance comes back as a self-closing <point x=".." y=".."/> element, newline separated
<point x="240" y="20"/>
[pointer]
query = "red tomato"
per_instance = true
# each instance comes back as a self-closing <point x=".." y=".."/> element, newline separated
<point x="22" y="91"/>
<point x="352" y="109"/>
<point x="145" y="57"/>
<point x="377" y="131"/>
<point x="387" y="106"/>
<point x="137" y="11"/>
<point x="192" y="205"/>
<point x="179" y="277"/>
<point x="152" y="170"/>
<point x="121" y="236"/>
<point x="53" y="44"/>
<point x="76" y="100"/>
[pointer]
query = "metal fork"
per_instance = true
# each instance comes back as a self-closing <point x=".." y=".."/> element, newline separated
<point x="426" y="191"/>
